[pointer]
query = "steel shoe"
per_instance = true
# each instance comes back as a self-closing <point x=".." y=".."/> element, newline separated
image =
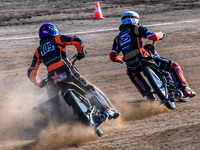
<point x="187" y="92"/>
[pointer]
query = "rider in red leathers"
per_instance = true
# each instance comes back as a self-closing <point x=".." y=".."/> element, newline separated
<point x="51" y="53"/>
<point x="129" y="42"/>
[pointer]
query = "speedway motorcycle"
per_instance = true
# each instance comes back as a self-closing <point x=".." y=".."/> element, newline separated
<point x="161" y="81"/>
<point x="84" y="107"/>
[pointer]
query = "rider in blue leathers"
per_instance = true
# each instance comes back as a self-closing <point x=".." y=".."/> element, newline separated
<point x="129" y="42"/>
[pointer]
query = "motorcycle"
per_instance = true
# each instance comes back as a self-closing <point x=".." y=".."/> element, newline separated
<point x="84" y="107"/>
<point x="161" y="81"/>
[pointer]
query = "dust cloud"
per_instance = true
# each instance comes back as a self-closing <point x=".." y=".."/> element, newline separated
<point x="136" y="111"/>
<point x="61" y="136"/>
<point x="22" y="121"/>
<point x="16" y="118"/>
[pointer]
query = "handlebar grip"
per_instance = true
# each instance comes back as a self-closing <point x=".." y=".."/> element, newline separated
<point x="75" y="59"/>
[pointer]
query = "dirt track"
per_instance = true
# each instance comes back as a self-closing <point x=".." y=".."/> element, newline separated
<point x="142" y="125"/>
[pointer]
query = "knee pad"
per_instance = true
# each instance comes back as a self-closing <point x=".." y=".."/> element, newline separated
<point x="162" y="63"/>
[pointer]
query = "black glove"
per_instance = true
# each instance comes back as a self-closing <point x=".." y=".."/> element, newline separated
<point x="43" y="83"/>
<point x="81" y="55"/>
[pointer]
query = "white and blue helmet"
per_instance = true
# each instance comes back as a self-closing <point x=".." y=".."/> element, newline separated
<point x="130" y="17"/>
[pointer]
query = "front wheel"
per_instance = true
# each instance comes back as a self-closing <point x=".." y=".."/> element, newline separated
<point x="79" y="108"/>
<point x="157" y="83"/>
<point x="83" y="111"/>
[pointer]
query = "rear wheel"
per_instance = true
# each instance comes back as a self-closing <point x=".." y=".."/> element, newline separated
<point x="155" y="79"/>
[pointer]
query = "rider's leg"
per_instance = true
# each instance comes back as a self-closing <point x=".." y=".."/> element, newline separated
<point x="74" y="76"/>
<point x="180" y="80"/>
<point x="96" y="98"/>
<point x="52" y="94"/>
<point x="141" y="85"/>
<point x="176" y="73"/>
<point x="53" y="103"/>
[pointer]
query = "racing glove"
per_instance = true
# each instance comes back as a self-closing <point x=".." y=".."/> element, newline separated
<point x="119" y="59"/>
<point x="156" y="36"/>
<point x="81" y="55"/>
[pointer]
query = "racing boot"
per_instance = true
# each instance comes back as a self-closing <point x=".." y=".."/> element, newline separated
<point x="187" y="92"/>
<point x="180" y="80"/>
<point x="109" y="114"/>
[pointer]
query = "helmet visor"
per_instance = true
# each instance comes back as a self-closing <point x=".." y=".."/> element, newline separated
<point x="48" y="27"/>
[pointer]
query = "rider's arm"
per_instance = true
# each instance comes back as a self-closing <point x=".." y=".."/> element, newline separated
<point x="154" y="36"/>
<point x="115" y="52"/>
<point x="34" y="69"/>
<point x="72" y="40"/>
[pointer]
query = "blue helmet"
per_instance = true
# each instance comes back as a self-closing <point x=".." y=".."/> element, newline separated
<point x="48" y="29"/>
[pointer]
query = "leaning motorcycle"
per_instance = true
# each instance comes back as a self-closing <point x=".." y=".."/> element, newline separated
<point x="161" y="81"/>
<point x="84" y="105"/>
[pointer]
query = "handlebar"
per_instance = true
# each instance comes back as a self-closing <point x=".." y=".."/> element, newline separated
<point x="153" y="43"/>
<point x="75" y="59"/>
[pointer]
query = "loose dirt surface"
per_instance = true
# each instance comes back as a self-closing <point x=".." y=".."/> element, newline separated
<point x="142" y="125"/>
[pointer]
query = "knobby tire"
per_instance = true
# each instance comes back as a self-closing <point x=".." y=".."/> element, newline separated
<point x="149" y="73"/>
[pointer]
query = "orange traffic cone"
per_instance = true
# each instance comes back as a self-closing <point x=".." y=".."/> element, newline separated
<point x="98" y="13"/>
